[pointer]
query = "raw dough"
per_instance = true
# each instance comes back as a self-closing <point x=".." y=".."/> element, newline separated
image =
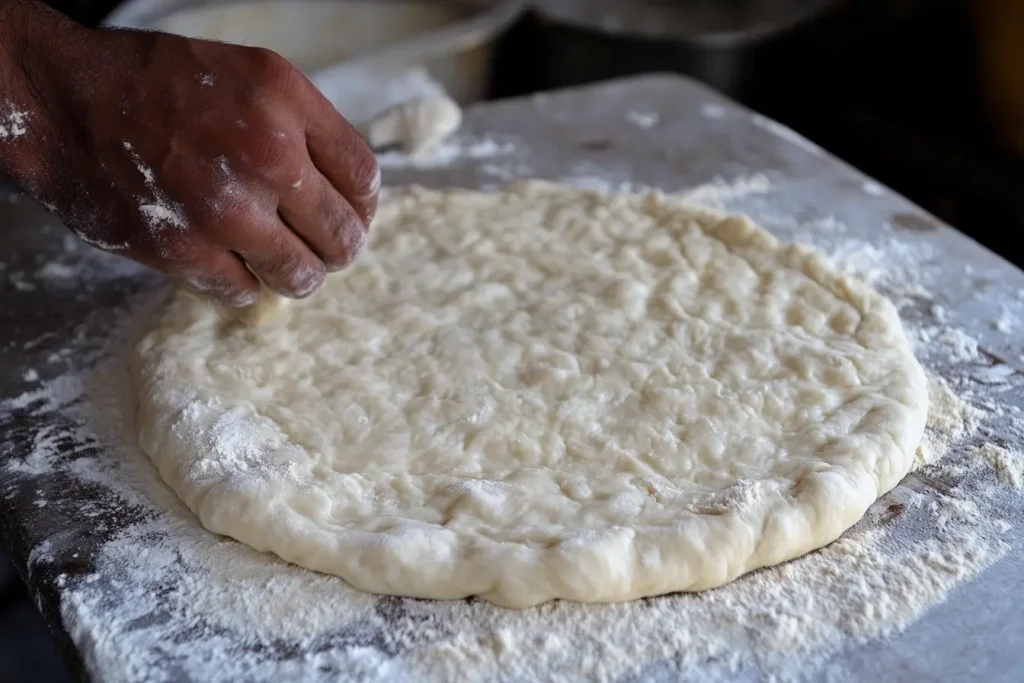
<point x="545" y="392"/>
<point x="269" y="305"/>
<point x="415" y="126"/>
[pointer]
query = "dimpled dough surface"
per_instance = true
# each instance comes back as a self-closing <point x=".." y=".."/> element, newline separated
<point x="540" y="393"/>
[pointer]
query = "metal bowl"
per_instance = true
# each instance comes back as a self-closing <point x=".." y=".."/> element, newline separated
<point x="453" y="39"/>
<point x="720" y="23"/>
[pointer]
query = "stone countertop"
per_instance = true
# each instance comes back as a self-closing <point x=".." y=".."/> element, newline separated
<point x="657" y="131"/>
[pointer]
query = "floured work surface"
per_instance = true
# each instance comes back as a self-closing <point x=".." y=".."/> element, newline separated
<point x="920" y="589"/>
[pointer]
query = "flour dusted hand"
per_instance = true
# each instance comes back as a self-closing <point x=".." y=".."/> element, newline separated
<point x="193" y="157"/>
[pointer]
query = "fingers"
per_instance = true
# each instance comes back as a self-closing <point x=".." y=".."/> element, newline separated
<point x="341" y="156"/>
<point x="324" y="219"/>
<point x="279" y="257"/>
<point x="282" y="186"/>
<point x="223" y="276"/>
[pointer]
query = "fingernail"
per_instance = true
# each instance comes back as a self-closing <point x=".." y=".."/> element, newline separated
<point x="243" y="299"/>
<point x="375" y="183"/>
<point x="357" y="242"/>
<point x="308" y="281"/>
<point x="353" y="245"/>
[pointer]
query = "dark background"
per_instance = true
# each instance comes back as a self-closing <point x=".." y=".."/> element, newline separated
<point x="899" y="88"/>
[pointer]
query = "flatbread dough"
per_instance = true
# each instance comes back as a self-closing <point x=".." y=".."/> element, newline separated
<point x="417" y="125"/>
<point x="540" y="393"/>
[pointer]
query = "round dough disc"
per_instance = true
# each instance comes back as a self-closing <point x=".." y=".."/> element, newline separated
<point x="540" y="393"/>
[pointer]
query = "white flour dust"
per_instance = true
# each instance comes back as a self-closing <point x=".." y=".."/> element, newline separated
<point x="873" y="189"/>
<point x="1008" y="464"/>
<point x="103" y="244"/>
<point x="164" y="576"/>
<point x="67" y="269"/>
<point x="1006" y="322"/>
<point x="157" y="215"/>
<point x="642" y="119"/>
<point x="13" y="122"/>
<point x="716" y="194"/>
<point x="447" y="152"/>
<point x="710" y="110"/>
<point x="146" y="171"/>
<point x="157" y="209"/>
<point x="163" y="595"/>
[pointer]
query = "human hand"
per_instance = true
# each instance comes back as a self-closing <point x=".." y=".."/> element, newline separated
<point x="193" y="157"/>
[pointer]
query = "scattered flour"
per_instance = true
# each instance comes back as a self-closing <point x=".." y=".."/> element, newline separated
<point x="999" y="373"/>
<point x="963" y="345"/>
<point x="1006" y="322"/>
<point x="710" y="110"/>
<point x="449" y="152"/>
<point x="872" y="188"/>
<point x="57" y="271"/>
<point x="505" y="172"/>
<point x="950" y="420"/>
<point x="719" y="192"/>
<point x="19" y="282"/>
<point x="1008" y="465"/>
<point x="161" y="598"/>
<point x="146" y="171"/>
<point x="886" y="260"/>
<point x="157" y="215"/>
<point x="715" y="194"/>
<point x="157" y="210"/>
<point x="643" y="120"/>
<point x="13" y="123"/>
<point x="102" y="244"/>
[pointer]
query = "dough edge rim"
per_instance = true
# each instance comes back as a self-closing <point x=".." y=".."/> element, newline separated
<point x="521" y="581"/>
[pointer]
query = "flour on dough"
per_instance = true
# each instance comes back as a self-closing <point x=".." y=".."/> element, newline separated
<point x="540" y="393"/>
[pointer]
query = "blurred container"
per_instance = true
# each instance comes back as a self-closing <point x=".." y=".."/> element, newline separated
<point x="453" y="39"/>
<point x="1000" y="31"/>
<point x="734" y="46"/>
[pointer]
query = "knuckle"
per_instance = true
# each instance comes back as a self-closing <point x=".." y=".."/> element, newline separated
<point x="223" y="205"/>
<point x="228" y="207"/>
<point x="270" y="67"/>
<point x="272" y="152"/>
